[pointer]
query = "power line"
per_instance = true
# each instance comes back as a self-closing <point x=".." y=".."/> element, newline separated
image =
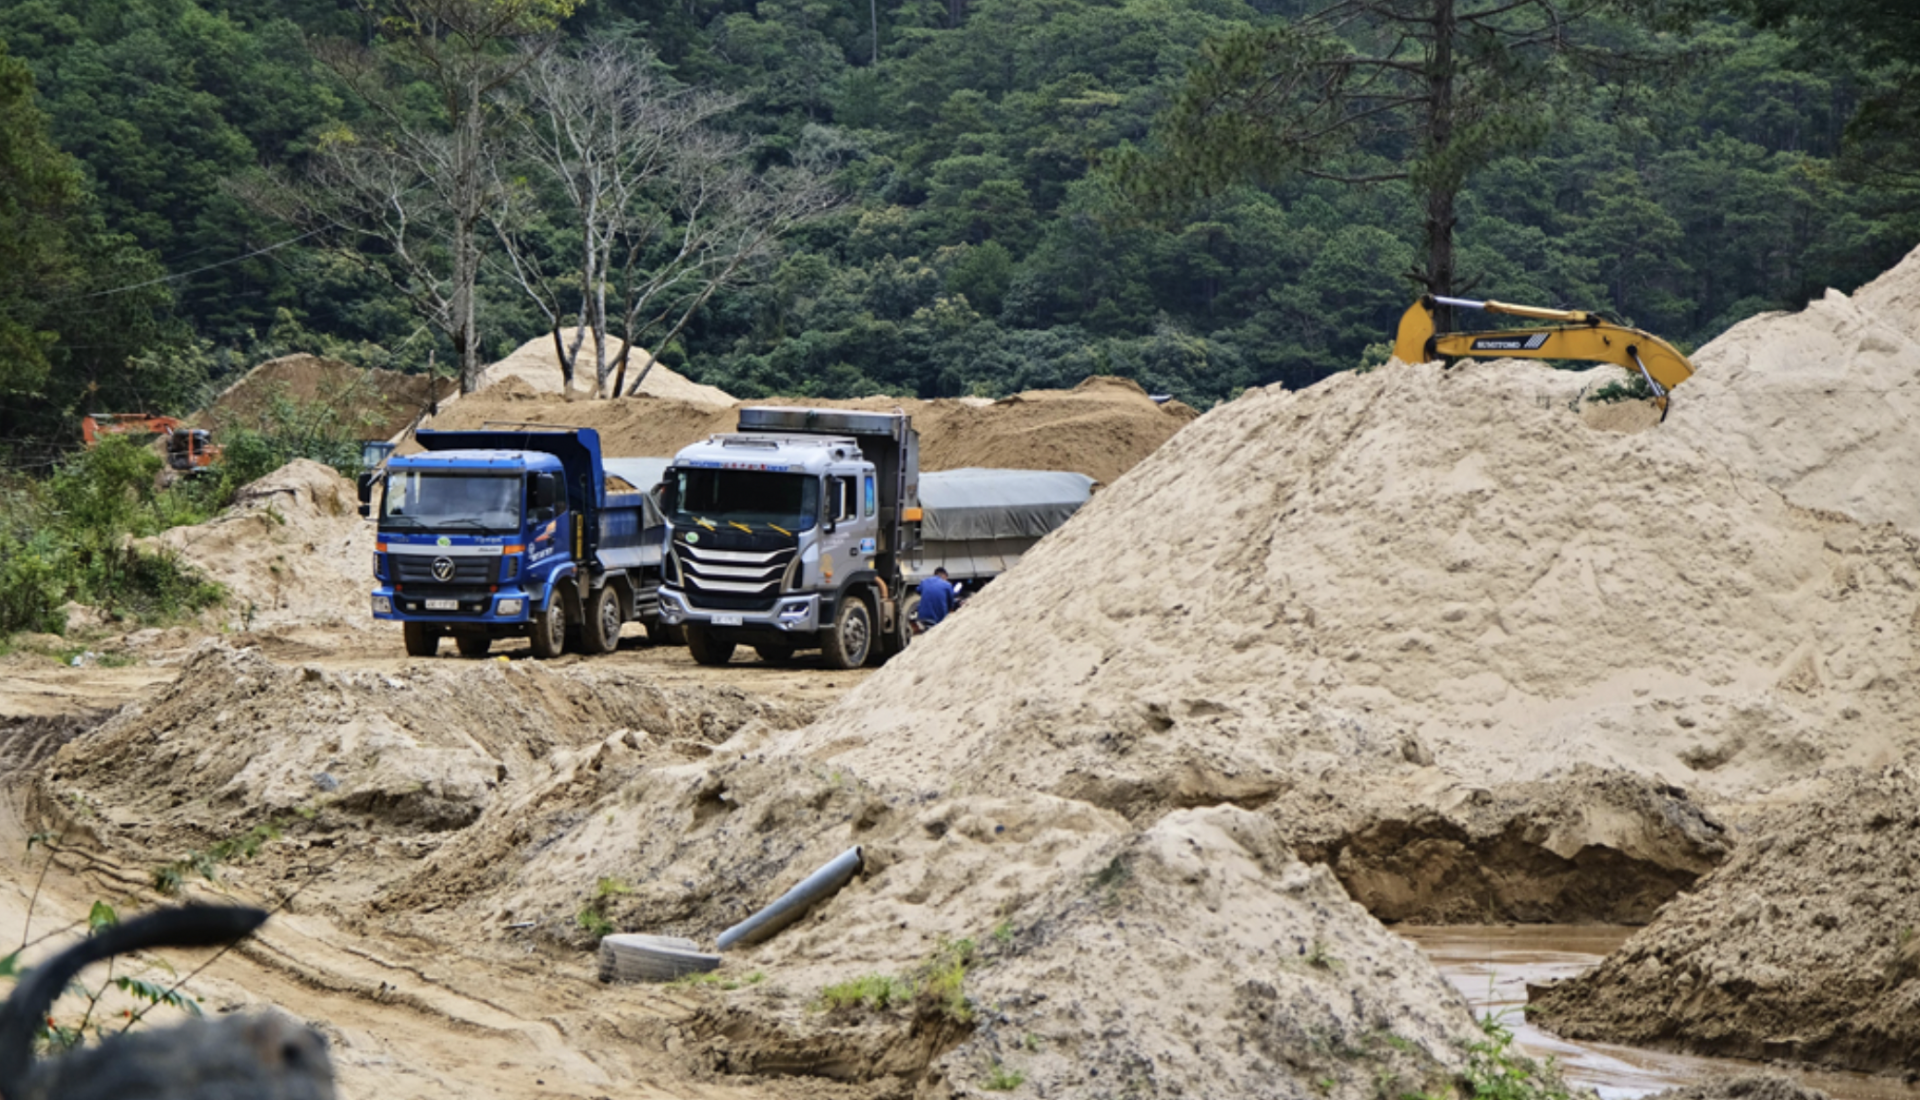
<point x="198" y="270"/>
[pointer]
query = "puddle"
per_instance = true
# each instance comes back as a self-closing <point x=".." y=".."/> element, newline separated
<point x="1492" y="966"/>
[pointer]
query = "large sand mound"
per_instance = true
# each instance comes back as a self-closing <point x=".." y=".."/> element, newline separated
<point x="292" y="549"/>
<point x="536" y="365"/>
<point x="373" y="404"/>
<point x="1397" y="566"/>
<point x="1822" y="404"/>
<point x="1099" y="428"/>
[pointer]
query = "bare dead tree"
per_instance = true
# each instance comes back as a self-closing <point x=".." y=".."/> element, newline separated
<point x="663" y="211"/>
<point x="605" y="130"/>
<point x="420" y="187"/>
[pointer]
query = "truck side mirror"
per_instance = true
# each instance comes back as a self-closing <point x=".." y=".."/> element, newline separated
<point x="830" y="503"/>
<point x="666" y="497"/>
<point x="364" y="486"/>
<point x="546" y="493"/>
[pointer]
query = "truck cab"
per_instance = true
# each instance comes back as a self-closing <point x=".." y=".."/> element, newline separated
<point x="790" y="534"/>
<point x="492" y="534"/>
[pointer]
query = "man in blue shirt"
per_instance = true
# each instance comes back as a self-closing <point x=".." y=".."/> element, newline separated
<point x="936" y="600"/>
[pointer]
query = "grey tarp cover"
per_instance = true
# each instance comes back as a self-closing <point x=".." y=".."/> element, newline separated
<point x="978" y="504"/>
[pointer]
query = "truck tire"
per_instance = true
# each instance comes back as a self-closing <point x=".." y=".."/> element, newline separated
<point x="472" y="645"/>
<point x="548" y="629"/>
<point x="630" y="957"/>
<point x="895" y="641"/>
<point x="707" y="649"/>
<point x="852" y="635"/>
<point x="775" y="654"/>
<point x="659" y="633"/>
<point x="600" y="631"/>
<point x="423" y="639"/>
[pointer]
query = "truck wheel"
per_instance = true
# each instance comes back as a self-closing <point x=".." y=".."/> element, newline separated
<point x="422" y="639"/>
<point x="548" y="630"/>
<point x="472" y="645"/>
<point x="775" y="654"/>
<point x="600" y="633"/>
<point x="852" y="636"/>
<point x="895" y="640"/>
<point x="707" y="649"/>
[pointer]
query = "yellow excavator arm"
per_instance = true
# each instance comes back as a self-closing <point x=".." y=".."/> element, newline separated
<point x="1574" y="334"/>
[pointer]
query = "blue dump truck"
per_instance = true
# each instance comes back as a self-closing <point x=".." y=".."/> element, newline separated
<point x="515" y="531"/>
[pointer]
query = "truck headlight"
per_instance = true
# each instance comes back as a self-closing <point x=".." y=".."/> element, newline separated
<point x="793" y="612"/>
<point x="511" y="607"/>
<point x="382" y="605"/>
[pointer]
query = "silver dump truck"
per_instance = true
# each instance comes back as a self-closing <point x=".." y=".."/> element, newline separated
<point x="810" y="528"/>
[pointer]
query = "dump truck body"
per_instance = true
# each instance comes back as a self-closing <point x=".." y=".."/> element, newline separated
<point x="792" y="534"/>
<point x="499" y="533"/>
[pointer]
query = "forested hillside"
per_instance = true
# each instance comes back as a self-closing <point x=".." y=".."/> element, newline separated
<point x="1681" y="174"/>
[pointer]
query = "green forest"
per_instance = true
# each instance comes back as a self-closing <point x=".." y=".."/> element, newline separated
<point x="927" y="197"/>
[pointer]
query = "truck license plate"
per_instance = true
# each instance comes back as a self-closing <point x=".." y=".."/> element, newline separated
<point x="443" y="605"/>
<point x="727" y="620"/>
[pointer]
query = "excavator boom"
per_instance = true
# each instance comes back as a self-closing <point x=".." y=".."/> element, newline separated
<point x="1576" y="334"/>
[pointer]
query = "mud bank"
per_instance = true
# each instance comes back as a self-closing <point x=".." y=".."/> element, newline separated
<point x="1801" y="947"/>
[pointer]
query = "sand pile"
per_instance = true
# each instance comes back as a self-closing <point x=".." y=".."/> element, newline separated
<point x="374" y="404"/>
<point x="478" y="804"/>
<point x="1194" y="957"/>
<point x="536" y="365"/>
<point x="352" y="758"/>
<point x="293" y="548"/>
<point x="1099" y="428"/>
<point x="1823" y="404"/>
<point x="1442" y="590"/>
<point x="1801" y="947"/>
<point x="1397" y="567"/>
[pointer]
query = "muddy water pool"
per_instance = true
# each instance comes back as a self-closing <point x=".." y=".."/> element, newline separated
<point x="1492" y="965"/>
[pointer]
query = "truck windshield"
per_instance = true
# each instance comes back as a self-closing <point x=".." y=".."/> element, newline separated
<point x="427" y="500"/>
<point x="752" y="498"/>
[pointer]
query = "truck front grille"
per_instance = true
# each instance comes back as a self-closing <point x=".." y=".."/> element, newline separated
<point x="732" y="579"/>
<point x="419" y="569"/>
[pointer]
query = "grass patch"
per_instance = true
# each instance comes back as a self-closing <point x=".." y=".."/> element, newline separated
<point x="168" y="878"/>
<point x="877" y="992"/>
<point x="1497" y="1071"/>
<point x="999" y="1078"/>
<point x="938" y="985"/>
<point x="713" y="979"/>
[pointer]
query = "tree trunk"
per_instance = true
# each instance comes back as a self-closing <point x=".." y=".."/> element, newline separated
<point x="1442" y="187"/>
<point x="466" y="248"/>
<point x="566" y="362"/>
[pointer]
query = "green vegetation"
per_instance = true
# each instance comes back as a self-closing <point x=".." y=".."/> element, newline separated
<point x="68" y="537"/>
<point x="168" y="878"/>
<point x="877" y="992"/>
<point x="1679" y="174"/>
<point x="937" y="986"/>
<point x="999" y="1078"/>
<point x="716" y="980"/>
<point x="1497" y="1071"/>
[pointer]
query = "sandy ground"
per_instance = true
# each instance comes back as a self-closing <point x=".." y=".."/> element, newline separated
<point x="1414" y="644"/>
<point x="407" y="1017"/>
